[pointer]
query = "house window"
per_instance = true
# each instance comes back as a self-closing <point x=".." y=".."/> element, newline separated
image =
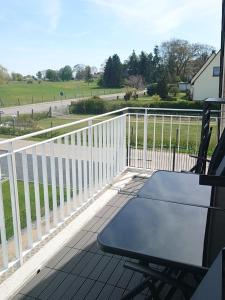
<point x="216" y="71"/>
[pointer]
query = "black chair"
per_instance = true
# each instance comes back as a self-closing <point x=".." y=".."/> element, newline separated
<point x="212" y="285"/>
<point x="200" y="166"/>
<point x="217" y="157"/>
<point x="206" y="131"/>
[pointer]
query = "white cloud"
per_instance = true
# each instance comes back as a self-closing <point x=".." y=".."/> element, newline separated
<point x="52" y="9"/>
<point x="161" y="16"/>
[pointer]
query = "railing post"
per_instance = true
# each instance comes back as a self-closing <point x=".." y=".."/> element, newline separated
<point x="3" y="228"/>
<point x="174" y="150"/>
<point x="15" y="203"/>
<point x="145" y="140"/>
<point x="90" y="154"/>
<point x="128" y="143"/>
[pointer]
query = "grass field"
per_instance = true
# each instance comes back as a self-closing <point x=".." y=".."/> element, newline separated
<point x="19" y="93"/>
<point x="8" y="208"/>
<point x="162" y="129"/>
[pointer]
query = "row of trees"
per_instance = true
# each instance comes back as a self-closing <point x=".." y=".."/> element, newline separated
<point x="173" y="61"/>
<point x="79" y="72"/>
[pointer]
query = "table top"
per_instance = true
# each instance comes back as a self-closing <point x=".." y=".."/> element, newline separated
<point x="165" y="233"/>
<point x="177" y="187"/>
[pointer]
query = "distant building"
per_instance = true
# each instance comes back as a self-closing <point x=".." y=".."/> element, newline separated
<point x="205" y="83"/>
<point x="184" y="86"/>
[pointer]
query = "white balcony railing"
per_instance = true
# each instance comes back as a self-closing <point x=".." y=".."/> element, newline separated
<point x="48" y="182"/>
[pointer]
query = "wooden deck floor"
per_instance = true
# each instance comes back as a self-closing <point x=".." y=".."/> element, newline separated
<point x="81" y="270"/>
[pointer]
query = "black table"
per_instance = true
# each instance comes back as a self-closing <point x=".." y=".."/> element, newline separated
<point x="177" y="187"/>
<point x="165" y="233"/>
<point x="171" y="221"/>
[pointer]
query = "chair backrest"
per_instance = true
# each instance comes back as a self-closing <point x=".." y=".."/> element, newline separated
<point x="217" y="163"/>
<point x="200" y="166"/>
<point x="212" y="285"/>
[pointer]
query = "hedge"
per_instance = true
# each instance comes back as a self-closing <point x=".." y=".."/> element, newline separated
<point x="98" y="106"/>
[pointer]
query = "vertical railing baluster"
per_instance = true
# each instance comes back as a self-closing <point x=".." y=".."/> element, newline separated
<point x="37" y="193"/>
<point x="136" y="143"/>
<point x="67" y="171"/>
<point x="74" y="171"/>
<point x="145" y="140"/>
<point x="118" y="146"/>
<point x="153" y="144"/>
<point x="60" y="176"/>
<point x="111" y="149"/>
<point x="53" y="181"/>
<point x="100" y="154"/>
<point x="90" y="158"/>
<point x="85" y="153"/>
<point x="45" y="187"/>
<point x="107" y="152"/>
<point x="128" y="146"/>
<point x="104" y="154"/>
<point x="15" y="203"/>
<point x="124" y="141"/>
<point x="79" y="170"/>
<point x="4" y="245"/>
<point x="27" y="200"/>
<point x="95" y="154"/>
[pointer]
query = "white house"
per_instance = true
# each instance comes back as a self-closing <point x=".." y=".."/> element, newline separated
<point x="205" y="83"/>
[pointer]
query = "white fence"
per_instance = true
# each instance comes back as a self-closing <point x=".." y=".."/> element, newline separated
<point x="44" y="184"/>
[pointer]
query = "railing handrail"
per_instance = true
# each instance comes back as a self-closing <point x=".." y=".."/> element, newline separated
<point x="60" y="126"/>
<point x="47" y="130"/>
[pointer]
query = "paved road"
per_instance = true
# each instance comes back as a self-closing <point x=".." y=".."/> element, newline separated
<point x="57" y="106"/>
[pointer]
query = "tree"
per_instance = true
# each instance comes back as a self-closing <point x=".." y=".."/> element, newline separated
<point x="107" y="75"/>
<point x="87" y="75"/>
<point x="65" y="74"/>
<point x="79" y="71"/>
<point x="162" y="88"/>
<point x="112" y="76"/>
<point x="156" y="64"/>
<point x="181" y="57"/>
<point x="132" y="64"/>
<point x="143" y="65"/>
<point x="135" y="81"/>
<point x="117" y="71"/>
<point x="16" y="76"/>
<point x="39" y="75"/>
<point x="4" y="75"/>
<point x="52" y="75"/>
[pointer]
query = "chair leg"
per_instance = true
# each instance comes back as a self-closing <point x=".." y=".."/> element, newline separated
<point x="138" y="289"/>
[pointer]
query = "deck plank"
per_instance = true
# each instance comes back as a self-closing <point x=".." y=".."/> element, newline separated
<point x="80" y="270"/>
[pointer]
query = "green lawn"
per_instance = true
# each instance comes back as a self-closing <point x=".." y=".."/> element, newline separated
<point x="8" y="209"/>
<point x="163" y="129"/>
<point x="19" y="93"/>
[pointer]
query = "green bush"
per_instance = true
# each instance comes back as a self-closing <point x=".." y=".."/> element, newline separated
<point x="174" y="90"/>
<point x="162" y="89"/>
<point x="152" y="89"/>
<point x="127" y="96"/>
<point x="155" y="98"/>
<point x="94" y="105"/>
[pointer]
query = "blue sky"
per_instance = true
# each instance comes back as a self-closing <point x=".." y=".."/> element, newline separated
<point x="40" y="34"/>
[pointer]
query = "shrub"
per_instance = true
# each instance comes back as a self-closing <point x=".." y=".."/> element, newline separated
<point x="94" y="105"/>
<point x="128" y="95"/>
<point x="155" y="98"/>
<point x="162" y="88"/>
<point x="173" y="89"/>
<point x="152" y="89"/>
<point x="188" y="95"/>
<point x="29" y="81"/>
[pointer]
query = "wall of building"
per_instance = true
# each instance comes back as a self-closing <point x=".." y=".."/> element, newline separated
<point x="207" y="85"/>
